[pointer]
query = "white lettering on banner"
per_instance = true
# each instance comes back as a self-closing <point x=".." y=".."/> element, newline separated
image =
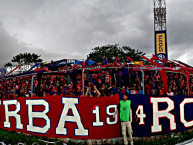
<point x="162" y="113"/>
<point x="112" y="113"/>
<point x="8" y="114"/>
<point x="70" y="61"/>
<point x="32" y="115"/>
<point x="69" y="103"/>
<point x="141" y="114"/>
<point x="182" y="119"/>
<point x="98" y="122"/>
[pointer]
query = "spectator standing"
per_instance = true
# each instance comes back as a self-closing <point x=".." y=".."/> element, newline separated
<point x="140" y="91"/>
<point x="125" y="116"/>
<point x="114" y="89"/>
<point x="170" y="93"/>
<point x="107" y="79"/>
<point x="104" y="91"/>
<point x="95" y="91"/>
<point x="134" y="91"/>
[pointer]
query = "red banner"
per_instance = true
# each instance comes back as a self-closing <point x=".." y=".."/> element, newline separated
<point x="62" y="117"/>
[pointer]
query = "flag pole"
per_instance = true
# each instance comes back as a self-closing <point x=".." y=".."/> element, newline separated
<point x="83" y="82"/>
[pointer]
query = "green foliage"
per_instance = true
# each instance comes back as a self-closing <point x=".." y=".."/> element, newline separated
<point x="26" y="58"/>
<point x="111" y="51"/>
<point x="12" y="137"/>
<point x="7" y="64"/>
<point x="145" y="62"/>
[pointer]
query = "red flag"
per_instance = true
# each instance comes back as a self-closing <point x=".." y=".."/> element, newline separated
<point x="146" y="58"/>
<point x="96" y="69"/>
<point x="104" y="65"/>
<point x="116" y="58"/>
<point x="183" y="64"/>
<point x="152" y="61"/>
<point x="171" y="61"/>
<point x="131" y="60"/>
<point x="168" y="60"/>
<point x="83" y="63"/>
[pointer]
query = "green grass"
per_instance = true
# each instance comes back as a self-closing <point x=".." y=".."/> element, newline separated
<point x="12" y="137"/>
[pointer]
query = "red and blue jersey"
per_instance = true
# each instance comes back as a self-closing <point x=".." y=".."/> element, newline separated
<point x="54" y="92"/>
<point x="63" y="91"/>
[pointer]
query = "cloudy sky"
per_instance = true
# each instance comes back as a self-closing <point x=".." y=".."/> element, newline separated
<point x="58" y="29"/>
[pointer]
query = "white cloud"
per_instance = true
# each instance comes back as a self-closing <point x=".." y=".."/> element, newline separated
<point x="70" y="28"/>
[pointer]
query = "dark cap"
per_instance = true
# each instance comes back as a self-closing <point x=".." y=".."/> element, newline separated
<point x="125" y="94"/>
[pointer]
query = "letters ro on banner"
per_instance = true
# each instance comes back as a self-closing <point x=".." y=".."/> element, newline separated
<point x="161" y="115"/>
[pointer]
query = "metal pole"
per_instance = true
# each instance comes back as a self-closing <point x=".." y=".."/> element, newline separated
<point x="32" y="81"/>
<point x="83" y="82"/>
<point x="143" y="81"/>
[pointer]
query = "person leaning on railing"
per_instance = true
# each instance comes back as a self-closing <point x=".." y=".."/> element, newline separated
<point x="114" y="90"/>
<point x="104" y="91"/>
<point x="92" y="93"/>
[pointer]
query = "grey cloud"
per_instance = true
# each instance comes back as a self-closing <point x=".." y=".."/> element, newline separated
<point x="10" y="47"/>
<point x="59" y="29"/>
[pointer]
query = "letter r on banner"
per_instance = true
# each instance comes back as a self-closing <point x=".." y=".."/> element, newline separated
<point x="69" y="103"/>
<point x="36" y="114"/>
<point x="8" y="114"/>
<point x="162" y="113"/>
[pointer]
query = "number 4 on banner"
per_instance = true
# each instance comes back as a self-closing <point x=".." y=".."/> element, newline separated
<point x="141" y="114"/>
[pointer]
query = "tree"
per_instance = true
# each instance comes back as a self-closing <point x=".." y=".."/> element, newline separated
<point x="7" y="64"/>
<point x="111" y="51"/>
<point x="25" y="58"/>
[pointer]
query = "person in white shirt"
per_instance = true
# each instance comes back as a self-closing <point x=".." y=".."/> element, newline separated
<point x="170" y="93"/>
<point x="134" y="91"/>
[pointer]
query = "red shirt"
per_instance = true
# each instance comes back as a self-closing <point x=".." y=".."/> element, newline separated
<point x="147" y="89"/>
<point x="79" y="76"/>
<point x="161" y="91"/>
<point x="19" y="86"/>
<point x="48" y="95"/>
<point x="34" y="95"/>
<point x="78" y="87"/>
<point x="95" y="92"/>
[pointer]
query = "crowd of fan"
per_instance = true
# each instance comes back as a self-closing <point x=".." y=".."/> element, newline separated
<point x="176" y="84"/>
<point x="97" y="83"/>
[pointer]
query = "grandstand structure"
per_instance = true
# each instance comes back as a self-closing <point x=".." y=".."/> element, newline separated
<point x="99" y="73"/>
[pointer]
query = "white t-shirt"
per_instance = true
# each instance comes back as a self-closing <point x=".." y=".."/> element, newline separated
<point x="170" y="94"/>
<point x="133" y="92"/>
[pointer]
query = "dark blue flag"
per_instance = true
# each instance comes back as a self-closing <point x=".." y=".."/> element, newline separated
<point x="2" y="72"/>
